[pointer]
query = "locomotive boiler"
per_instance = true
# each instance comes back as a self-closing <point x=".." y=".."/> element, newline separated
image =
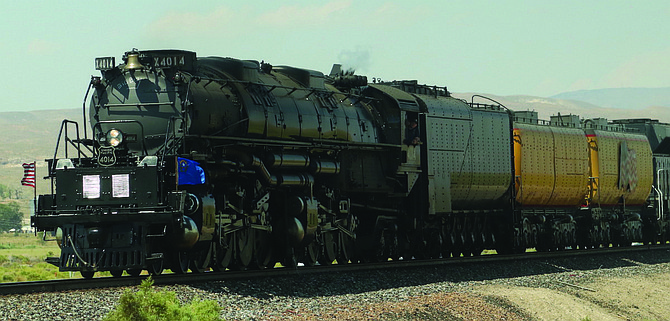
<point x="196" y="163"/>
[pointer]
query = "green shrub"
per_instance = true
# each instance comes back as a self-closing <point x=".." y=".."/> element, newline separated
<point x="146" y="304"/>
<point x="34" y="274"/>
<point x="20" y="259"/>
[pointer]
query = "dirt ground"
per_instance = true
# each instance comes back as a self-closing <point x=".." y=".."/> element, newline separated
<point x="645" y="297"/>
<point x="637" y="298"/>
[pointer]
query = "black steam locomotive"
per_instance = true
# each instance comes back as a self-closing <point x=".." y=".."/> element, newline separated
<point x="198" y="163"/>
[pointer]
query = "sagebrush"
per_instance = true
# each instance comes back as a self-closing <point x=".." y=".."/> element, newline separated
<point x="147" y="304"/>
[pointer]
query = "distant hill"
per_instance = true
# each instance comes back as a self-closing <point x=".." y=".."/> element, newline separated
<point x="622" y="98"/>
<point x="32" y="135"/>
<point x="27" y="137"/>
<point x="546" y="107"/>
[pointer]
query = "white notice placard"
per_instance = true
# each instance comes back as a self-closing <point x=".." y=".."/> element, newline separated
<point x="91" y="186"/>
<point x="121" y="185"/>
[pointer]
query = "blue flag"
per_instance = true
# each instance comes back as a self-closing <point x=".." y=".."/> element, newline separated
<point x="190" y="172"/>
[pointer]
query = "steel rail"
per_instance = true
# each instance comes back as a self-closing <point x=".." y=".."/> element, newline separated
<point x="193" y="278"/>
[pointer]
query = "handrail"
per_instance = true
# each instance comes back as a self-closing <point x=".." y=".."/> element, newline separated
<point x="170" y="137"/>
<point x="83" y="107"/>
<point x="64" y="128"/>
<point x="472" y="101"/>
<point x="661" y="212"/>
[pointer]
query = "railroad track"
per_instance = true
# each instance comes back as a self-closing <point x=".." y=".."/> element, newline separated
<point x="166" y="279"/>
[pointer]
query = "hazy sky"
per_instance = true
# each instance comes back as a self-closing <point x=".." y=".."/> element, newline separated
<point x="538" y="48"/>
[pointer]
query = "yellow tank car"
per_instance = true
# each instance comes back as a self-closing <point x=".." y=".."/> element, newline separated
<point x="621" y="168"/>
<point x="551" y="165"/>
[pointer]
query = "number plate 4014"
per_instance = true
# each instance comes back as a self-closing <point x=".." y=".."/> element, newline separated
<point x="106" y="156"/>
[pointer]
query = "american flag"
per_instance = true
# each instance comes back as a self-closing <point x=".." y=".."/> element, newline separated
<point x="28" y="174"/>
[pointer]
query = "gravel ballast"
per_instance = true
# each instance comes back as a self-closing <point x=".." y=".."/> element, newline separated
<point x="463" y="292"/>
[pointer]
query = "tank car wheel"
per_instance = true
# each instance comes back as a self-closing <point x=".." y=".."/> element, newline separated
<point x="329" y="249"/>
<point x="566" y="239"/>
<point x="462" y="249"/>
<point x="640" y="234"/>
<point x="459" y="238"/>
<point x="518" y="244"/>
<point x="627" y="236"/>
<point x="435" y="244"/>
<point x="180" y="263"/>
<point x="573" y="238"/>
<point x="557" y="240"/>
<point x="472" y="243"/>
<point x="87" y="274"/>
<point x="311" y="253"/>
<point x="478" y="247"/>
<point x="347" y="249"/>
<point x="245" y="247"/>
<point x="203" y="259"/>
<point x="470" y="237"/>
<point x="156" y="267"/>
<point x="447" y="246"/>
<point x="224" y="253"/>
<point x="594" y="239"/>
<point x="394" y="247"/>
<point x="195" y="267"/>
<point x="456" y="242"/>
<point x="403" y="248"/>
<point x="447" y="239"/>
<point x="116" y="273"/>
<point x="263" y="253"/>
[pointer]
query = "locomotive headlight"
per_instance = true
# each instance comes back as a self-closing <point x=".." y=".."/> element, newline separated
<point x="114" y="137"/>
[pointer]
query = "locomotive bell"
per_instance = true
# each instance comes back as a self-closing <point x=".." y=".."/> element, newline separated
<point x="133" y="62"/>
